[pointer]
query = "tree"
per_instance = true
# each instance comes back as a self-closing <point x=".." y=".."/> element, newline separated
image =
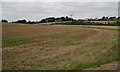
<point x="118" y="17"/>
<point x="103" y="18"/>
<point x="107" y="18"/>
<point x="42" y="21"/>
<point x="112" y="18"/>
<point x="21" y="21"/>
<point x="28" y="22"/>
<point x="52" y="19"/>
<point x="57" y="19"/>
<point x="4" y="21"/>
<point x="62" y="18"/>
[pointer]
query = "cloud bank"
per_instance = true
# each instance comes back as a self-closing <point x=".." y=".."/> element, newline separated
<point x="38" y="10"/>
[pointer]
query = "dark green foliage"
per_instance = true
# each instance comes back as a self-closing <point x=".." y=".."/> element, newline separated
<point x="4" y="21"/>
<point x="112" y="18"/>
<point x="104" y="18"/>
<point x="52" y="19"/>
<point x="85" y="23"/>
<point x="21" y="21"/>
<point x="25" y="22"/>
<point x="118" y="18"/>
<point x="42" y="21"/>
<point x="31" y="22"/>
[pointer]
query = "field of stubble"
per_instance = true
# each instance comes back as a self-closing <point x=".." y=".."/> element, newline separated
<point x="58" y="47"/>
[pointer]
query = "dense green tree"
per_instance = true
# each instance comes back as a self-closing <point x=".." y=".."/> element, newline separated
<point x="104" y="18"/>
<point x="118" y="17"/>
<point x="4" y="21"/>
<point x="42" y="21"/>
<point x="52" y="19"/>
<point x="21" y="21"/>
<point x="112" y="18"/>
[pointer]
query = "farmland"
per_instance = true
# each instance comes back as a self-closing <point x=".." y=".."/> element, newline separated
<point x="104" y="22"/>
<point x="58" y="47"/>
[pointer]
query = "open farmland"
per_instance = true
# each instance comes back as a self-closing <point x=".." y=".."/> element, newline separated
<point x="58" y="47"/>
<point x="48" y="23"/>
<point x="104" y="22"/>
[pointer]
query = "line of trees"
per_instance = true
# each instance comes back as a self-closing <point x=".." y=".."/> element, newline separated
<point x="24" y="21"/>
<point x="53" y="19"/>
<point x="4" y="21"/>
<point x="50" y="19"/>
<point x="110" y="18"/>
<point x="105" y="19"/>
<point x="86" y="23"/>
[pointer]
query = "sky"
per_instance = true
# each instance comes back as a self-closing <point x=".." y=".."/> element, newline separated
<point x="60" y="0"/>
<point x="36" y="11"/>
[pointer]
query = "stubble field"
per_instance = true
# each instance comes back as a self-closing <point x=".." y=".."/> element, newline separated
<point x="58" y="47"/>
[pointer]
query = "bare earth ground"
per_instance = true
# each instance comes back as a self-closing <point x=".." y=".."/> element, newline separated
<point x="52" y="47"/>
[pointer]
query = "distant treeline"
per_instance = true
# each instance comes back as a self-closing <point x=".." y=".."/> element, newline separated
<point x="53" y="19"/>
<point x="105" y="19"/>
<point x="60" y="19"/>
<point x="50" y="19"/>
<point x="87" y="23"/>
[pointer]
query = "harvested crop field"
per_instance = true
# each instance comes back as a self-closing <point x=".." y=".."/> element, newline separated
<point x="58" y="47"/>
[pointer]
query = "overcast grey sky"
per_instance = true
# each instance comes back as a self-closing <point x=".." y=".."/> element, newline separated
<point x="37" y="10"/>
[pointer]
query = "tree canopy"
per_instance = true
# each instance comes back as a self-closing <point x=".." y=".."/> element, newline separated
<point x="4" y="21"/>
